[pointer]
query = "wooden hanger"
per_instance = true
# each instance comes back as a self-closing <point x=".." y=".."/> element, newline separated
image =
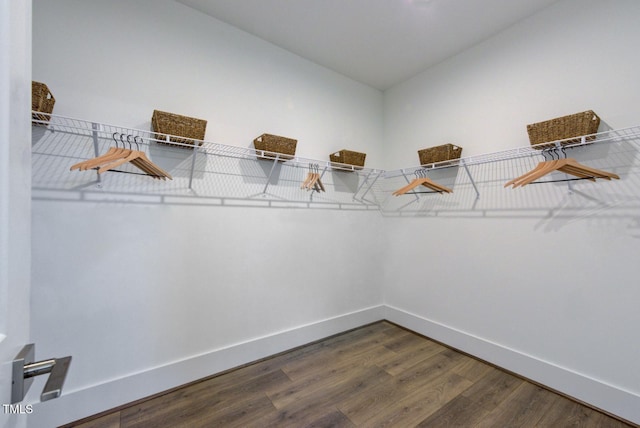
<point x="112" y="154"/>
<point x="116" y="156"/>
<point x="313" y="182"/>
<point x="307" y="180"/>
<point x="140" y="160"/>
<point x="423" y="180"/>
<point x="566" y="165"/>
<point x="145" y="164"/>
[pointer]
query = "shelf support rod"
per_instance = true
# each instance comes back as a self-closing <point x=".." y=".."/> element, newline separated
<point x="193" y="165"/>
<point x="473" y="183"/>
<point x="371" y="185"/>
<point x="275" y="162"/>
<point x="362" y="184"/>
<point x="323" y="171"/>
<point x="95" y="127"/>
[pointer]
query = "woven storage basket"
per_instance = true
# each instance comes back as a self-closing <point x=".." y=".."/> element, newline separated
<point x="42" y="100"/>
<point x="561" y="128"/>
<point x="277" y="144"/>
<point x="441" y="153"/>
<point x="348" y="157"/>
<point x="182" y="126"/>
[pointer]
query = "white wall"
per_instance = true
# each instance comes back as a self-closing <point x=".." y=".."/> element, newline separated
<point x="571" y="57"/>
<point x="150" y="296"/>
<point x="115" y="62"/>
<point x="535" y="280"/>
<point x="237" y="283"/>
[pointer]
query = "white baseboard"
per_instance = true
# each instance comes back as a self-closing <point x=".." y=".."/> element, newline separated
<point x="75" y="405"/>
<point x="608" y="398"/>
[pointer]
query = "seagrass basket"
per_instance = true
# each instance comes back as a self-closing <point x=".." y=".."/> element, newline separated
<point x="441" y="153"/>
<point x="42" y="101"/>
<point x="348" y="157"/>
<point x="286" y="147"/>
<point x="180" y="129"/>
<point x="562" y="128"/>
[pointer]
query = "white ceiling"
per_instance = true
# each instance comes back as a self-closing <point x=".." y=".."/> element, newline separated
<point x="377" y="42"/>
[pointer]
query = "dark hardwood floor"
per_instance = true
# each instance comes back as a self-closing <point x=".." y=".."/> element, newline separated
<point x="379" y="375"/>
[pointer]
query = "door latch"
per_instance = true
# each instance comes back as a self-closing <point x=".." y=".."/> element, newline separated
<point x="25" y="369"/>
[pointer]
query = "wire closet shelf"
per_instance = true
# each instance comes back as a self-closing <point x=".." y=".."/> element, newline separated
<point x="219" y="173"/>
<point x="479" y="182"/>
<point x="228" y="175"/>
<point x="609" y="136"/>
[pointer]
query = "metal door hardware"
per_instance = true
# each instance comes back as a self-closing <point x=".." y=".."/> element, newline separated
<point x="25" y="369"/>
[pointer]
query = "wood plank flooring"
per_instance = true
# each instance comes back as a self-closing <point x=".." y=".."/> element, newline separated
<point x="379" y="375"/>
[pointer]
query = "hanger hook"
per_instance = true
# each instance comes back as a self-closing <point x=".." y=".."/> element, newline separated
<point x="135" y="140"/>
<point x="114" y="138"/>
<point x="550" y="151"/>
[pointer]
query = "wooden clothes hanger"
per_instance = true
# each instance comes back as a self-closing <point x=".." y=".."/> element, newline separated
<point x="566" y="165"/>
<point x="423" y="180"/>
<point x="116" y="156"/>
<point x="140" y="160"/>
<point x="307" y="181"/>
<point x="313" y="182"/>
<point x="112" y="154"/>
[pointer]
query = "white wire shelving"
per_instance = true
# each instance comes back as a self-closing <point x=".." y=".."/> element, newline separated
<point x="478" y="181"/>
<point x="209" y="173"/>
<point x="609" y="136"/>
<point x="219" y="174"/>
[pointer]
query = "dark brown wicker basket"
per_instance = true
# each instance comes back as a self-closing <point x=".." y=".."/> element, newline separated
<point x="42" y="100"/>
<point x="181" y="126"/>
<point x="441" y="153"/>
<point x="286" y="147"/>
<point x="562" y="128"/>
<point x="348" y="157"/>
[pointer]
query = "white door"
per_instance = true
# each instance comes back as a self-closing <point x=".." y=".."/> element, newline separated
<point x="15" y="195"/>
